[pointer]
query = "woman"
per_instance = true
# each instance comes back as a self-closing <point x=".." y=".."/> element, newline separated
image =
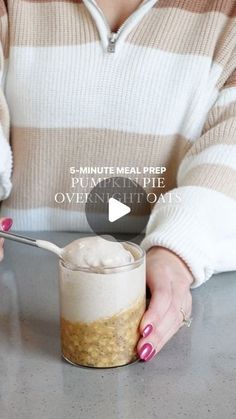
<point x="102" y="83"/>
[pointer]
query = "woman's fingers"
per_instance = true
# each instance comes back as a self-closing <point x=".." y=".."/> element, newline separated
<point x="170" y="291"/>
<point x="150" y="346"/>
<point x="173" y="320"/>
<point x="160" y="326"/>
<point x="161" y="295"/>
<point x="170" y="333"/>
<point x="162" y="331"/>
<point x="5" y="225"/>
<point x="158" y="306"/>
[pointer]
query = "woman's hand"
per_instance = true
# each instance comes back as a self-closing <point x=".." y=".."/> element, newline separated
<point x="5" y="225"/>
<point x="169" y="280"/>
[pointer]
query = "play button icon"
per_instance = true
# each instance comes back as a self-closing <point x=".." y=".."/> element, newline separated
<point x="116" y="210"/>
<point x="117" y="206"/>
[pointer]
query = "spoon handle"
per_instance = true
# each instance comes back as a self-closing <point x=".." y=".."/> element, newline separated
<point x="18" y="238"/>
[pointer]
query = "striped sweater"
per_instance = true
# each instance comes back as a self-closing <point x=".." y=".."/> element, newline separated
<point x="165" y="97"/>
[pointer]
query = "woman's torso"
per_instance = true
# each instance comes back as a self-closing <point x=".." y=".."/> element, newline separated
<point x="73" y="104"/>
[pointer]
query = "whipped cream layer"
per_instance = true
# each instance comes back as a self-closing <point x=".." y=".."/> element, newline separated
<point x="88" y="296"/>
<point x="95" y="252"/>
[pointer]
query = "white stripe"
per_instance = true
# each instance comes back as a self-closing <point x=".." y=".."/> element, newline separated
<point x="6" y="162"/>
<point x="141" y="89"/>
<point x="6" y="157"/>
<point x="3" y="73"/>
<point x="47" y="219"/>
<point x="57" y="219"/>
<point x="201" y="229"/>
<point x="226" y="97"/>
<point x="200" y="201"/>
<point x="222" y="154"/>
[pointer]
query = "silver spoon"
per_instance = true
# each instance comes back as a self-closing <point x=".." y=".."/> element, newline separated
<point x="43" y="244"/>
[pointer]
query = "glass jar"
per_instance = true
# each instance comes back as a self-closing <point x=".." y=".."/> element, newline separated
<point x="100" y="312"/>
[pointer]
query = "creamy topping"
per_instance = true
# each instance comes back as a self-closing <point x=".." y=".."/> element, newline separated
<point x="88" y="296"/>
<point x="96" y="252"/>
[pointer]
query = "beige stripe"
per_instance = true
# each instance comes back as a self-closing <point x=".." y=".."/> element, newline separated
<point x="53" y="1"/>
<point x="225" y="53"/>
<point x="54" y="23"/>
<point x="4" y="36"/>
<point x="217" y="177"/>
<point x="183" y="32"/>
<point x="231" y="81"/>
<point x="223" y="120"/>
<point x="42" y="158"/>
<point x="219" y="128"/>
<point x="73" y="25"/>
<point x="3" y="10"/>
<point x="228" y="7"/>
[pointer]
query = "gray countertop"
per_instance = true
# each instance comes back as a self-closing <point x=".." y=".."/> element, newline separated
<point x="194" y="376"/>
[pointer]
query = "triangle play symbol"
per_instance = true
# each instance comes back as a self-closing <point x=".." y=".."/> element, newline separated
<point x="116" y="210"/>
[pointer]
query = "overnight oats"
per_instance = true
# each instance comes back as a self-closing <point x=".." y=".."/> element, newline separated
<point x="102" y="301"/>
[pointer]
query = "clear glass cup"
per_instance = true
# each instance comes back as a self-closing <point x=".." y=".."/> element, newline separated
<point x="100" y="312"/>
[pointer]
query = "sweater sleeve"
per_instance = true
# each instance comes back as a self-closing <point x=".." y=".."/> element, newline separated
<point x="200" y="226"/>
<point x="6" y="158"/>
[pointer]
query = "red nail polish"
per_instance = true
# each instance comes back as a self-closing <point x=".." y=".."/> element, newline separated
<point x="150" y="356"/>
<point x="145" y="351"/>
<point x="147" y="330"/>
<point x="6" y="224"/>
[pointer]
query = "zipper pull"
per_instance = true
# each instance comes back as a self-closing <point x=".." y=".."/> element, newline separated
<point x="112" y="42"/>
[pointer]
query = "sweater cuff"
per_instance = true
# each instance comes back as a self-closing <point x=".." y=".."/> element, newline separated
<point x="177" y="228"/>
<point x="6" y="163"/>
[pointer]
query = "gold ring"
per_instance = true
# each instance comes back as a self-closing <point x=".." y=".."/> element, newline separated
<point x="186" y="321"/>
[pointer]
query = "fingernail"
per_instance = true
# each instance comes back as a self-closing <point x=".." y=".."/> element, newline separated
<point x="6" y="224"/>
<point x="150" y="356"/>
<point x="147" y="330"/>
<point x="145" y="351"/>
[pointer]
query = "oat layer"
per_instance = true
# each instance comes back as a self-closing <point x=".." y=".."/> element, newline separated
<point x="106" y="342"/>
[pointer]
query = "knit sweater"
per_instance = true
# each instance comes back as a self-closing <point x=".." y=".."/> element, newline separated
<point x="160" y="92"/>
